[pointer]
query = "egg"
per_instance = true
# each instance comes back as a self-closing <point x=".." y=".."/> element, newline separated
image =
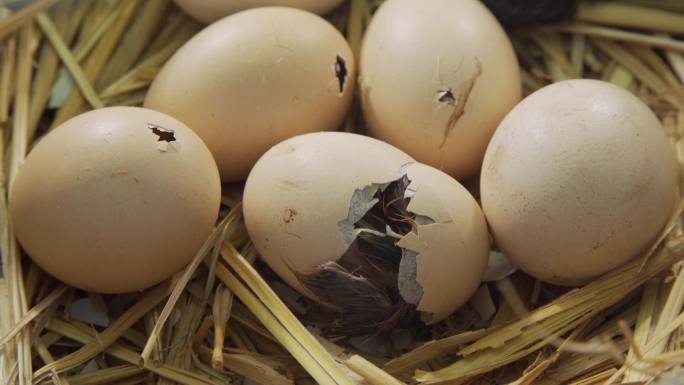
<point x="359" y="226"/>
<point x="208" y="11"/>
<point x="578" y="179"/>
<point x="254" y="79"/>
<point x="115" y="200"/>
<point x="436" y="78"/>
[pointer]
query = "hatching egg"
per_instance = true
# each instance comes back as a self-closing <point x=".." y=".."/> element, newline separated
<point x="359" y="226"/>
<point x="208" y="11"/>
<point x="436" y="78"/>
<point x="254" y="79"/>
<point x="116" y="199"/>
<point x="578" y="179"/>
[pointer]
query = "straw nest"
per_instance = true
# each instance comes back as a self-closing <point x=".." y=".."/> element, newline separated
<point x="227" y="320"/>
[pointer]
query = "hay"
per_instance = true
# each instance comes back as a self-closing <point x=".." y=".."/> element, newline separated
<point x="227" y="318"/>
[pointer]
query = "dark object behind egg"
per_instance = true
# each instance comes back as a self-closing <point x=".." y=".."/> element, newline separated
<point x="517" y="13"/>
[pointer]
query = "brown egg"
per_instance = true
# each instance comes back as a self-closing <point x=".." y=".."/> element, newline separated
<point x="338" y="213"/>
<point x="578" y="179"/>
<point x="255" y="78"/>
<point x="116" y="199"/>
<point x="436" y="79"/>
<point x="208" y="11"/>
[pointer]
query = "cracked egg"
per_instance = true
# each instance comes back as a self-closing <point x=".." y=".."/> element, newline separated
<point x="115" y="200"/>
<point x="254" y="79"/>
<point x="208" y="11"/>
<point x="436" y="77"/>
<point x="361" y="228"/>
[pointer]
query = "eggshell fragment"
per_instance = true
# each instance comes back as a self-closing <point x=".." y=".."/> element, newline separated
<point x="436" y="78"/>
<point x="498" y="267"/>
<point x="116" y="199"/>
<point x="208" y="11"/>
<point x="452" y="248"/>
<point x="578" y="179"/>
<point x="254" y="79"/>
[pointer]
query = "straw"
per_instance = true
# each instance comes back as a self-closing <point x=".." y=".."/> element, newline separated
<point x="33" y="313"/>
<point x="621" y="35"/>
<point x="97" y="59"/>
<point x="110" y="335"/>
<point x="223" y="322"/>
<point x="67" y="14"/>
<point x="69" y="61"/>
<point x="628" y="15"/>
<point x="119" y="351"/>
<point x="20" y="18"/>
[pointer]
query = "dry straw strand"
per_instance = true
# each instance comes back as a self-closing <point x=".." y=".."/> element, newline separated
<point x="147" y="20"/>
<point x="285" y="316"/>
<point x="223" y="302"/>
<point x="371" y="373"/>
<point x="6" y="78"/>
<point x="13" y="258"/>
<point x="111" y="334"/>
<point x="106" y="375"/>
<point x="546" y="323"/>
<point x="179" y="286"/>
<point x="268" y="319"/>
<point x="87" y="89"/>
<point x="45" y="355"/>
<point x="628" y="15"/>
<point x="67" y="14"/>
<point x="431" y="350"/>
<point x="33" y="313"/>
<point x="248" y="366"/>
<point x="119" y="351"/>
<point x="355" y="25"/>
<point x="643" y="327"/>
<point x="22" y="17"/>
<point x="660" y="41"/>
<point x="639" y="69"/>
<point x="97" y="59"/>
<point x="90" y="40"/>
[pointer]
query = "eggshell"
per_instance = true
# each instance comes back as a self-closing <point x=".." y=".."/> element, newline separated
<point x="105" y="204"/>
<point x="301" y="188"/>
<point x="578" y="179"/>
<point x="453" y="251"/>
<point x="436" y="79"/>
<point x="300" y="191"/>
<point x="254" y="79"/>
<point x="208" y="11"/>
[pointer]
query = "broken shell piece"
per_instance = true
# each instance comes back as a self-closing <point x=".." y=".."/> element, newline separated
<point x="84" y="310"/>
<point x="453" y="248"/>
<point x="498" y="267"/>
<point x="374" y="236"/>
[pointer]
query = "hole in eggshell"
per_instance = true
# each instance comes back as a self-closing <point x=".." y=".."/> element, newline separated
<point x="163" y="134"/>
<point x="446" y="96"/>
<point x="373" y="285"/>
<point x="341" y="72"/>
